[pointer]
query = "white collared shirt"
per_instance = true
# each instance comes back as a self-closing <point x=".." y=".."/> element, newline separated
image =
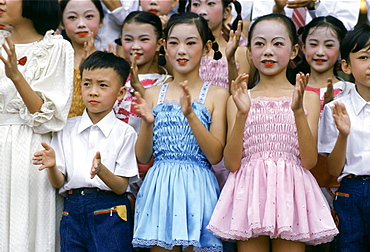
<point x="76" y="145"/>
<point x="358" y="141"/>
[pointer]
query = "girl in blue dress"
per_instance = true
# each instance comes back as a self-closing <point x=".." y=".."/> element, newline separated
<point x="184" y="127"/>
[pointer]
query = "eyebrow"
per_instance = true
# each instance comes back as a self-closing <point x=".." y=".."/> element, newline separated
<point x="102" y="80"/>
<point x="259" y="37"/>
<point x="328" y="40"/>
<point x="193" y="37"/>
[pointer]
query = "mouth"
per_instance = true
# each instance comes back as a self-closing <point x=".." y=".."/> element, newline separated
<point x="137" y="55"/>
<point x="154" y="11"/>
<point x="182" y="61"/>
<point x="93" y="102"/>
<point x="84" y="33"/>
<point x="319" y="61"/>
<point x="268" y="63"/>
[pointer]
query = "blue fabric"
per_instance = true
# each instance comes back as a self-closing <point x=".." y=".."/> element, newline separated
<point x="352" y="206"/>
<point x="81" y="230"/>
<point x="179" y="192"/>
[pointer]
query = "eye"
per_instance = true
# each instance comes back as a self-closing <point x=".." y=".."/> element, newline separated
<point x="313" y="44"/>
<point x="258" y="43"/>
<point x="191" y="43"/>
<point x="71" y="17"/>
<point x="278" y="44"/>
<point x="329" y="45"/>
<point x="145" y="39"/>
<point x="86" y="84"/>
<point x="211" y="3"/>
<point x="127" y="39"/>
<point x="90" y="16"/>
<point x="172" y="42"/>
<point x="195" y="4"/>
<point x="363" y="57"/>
<point x="103" y="85"/>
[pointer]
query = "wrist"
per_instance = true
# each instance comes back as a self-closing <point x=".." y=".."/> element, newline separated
<point x="313" y="5"/>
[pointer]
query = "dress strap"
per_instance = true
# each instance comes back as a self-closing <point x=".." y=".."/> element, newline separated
<point x="162" y="93"/>
<point x="203" y="92"/>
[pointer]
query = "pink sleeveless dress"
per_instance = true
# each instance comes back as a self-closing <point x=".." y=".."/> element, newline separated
<point x="272" y="194"/>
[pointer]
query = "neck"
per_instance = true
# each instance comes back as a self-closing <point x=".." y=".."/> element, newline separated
<point x="273" y="81"/>
<point x="363" y="91"/>
<point x="193" y="77"/>
<point x="148" y="67"/>
<point x="320" y="80"/>
<point x="25" y="33"/>
<point x="79" y="51"/>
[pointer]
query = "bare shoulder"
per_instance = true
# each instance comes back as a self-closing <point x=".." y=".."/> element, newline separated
<point x="310" y="97"/>
<point x="218" y="92"/>
<point x="151" y="94"/>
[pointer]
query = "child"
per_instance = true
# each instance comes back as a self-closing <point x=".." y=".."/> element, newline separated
<point x="271" y="145"/>
<point x="344" y="135"/>
<point x="92" y="159"/>
<point x="141" y="39"/>
<point x="186" y="136"/>
<point x="80" y="22"/>
<point x="161" y="8"/>
<point x="36" y="78"/>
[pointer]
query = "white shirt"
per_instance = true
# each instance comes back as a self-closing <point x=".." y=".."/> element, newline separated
<point x="358" y="141"/>
<point x="76" y="145"/>
<point x="346" y="11"/>
<point x="112" y="24"/>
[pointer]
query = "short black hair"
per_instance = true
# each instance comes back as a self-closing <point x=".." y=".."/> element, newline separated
<point x="45" y="15"/>
<point x="100" y="60"/>
<point x="355" y="40"/>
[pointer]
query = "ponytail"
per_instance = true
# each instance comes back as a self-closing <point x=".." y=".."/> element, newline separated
<point x="238" y="10"/>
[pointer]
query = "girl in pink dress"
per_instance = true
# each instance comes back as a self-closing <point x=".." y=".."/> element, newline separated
<point x="272" y="144"/>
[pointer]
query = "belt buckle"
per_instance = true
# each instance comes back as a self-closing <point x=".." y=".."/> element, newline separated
<point x="83" y="192"/>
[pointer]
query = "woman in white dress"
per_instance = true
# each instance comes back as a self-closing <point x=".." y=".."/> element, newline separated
<point x="36" y="81"/>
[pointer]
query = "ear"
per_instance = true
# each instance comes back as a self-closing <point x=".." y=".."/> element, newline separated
<point x="346" y="66"/>
<point x="294" y="52"/>
<point x="159" y="43"/>
<point x="227" y="12"/>
<point x="121" y="92"/>
<point x="174" y="3"/>
<point x="207" y="47"/>
<point x="61" y="25"/>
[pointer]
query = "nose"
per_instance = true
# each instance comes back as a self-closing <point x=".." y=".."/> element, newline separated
<point x="268" y="50"/>
<point x="153" y="2"/>
<point x="81" y="23"/>
<point x="320" y="51"/>
<point x="93" y="91"/>
<point x="202" y="11"/>
<point x="181" y="49"/>
<point x="136" y="46"/>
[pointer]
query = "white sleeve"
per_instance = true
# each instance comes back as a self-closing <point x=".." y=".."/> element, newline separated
<point x="346" y="11"/>
<point x="328" y="132"/>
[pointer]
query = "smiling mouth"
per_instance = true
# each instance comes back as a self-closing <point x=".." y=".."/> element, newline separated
<point x="268" y="62"/>
<point x="182" y="61"/>
<point x="82" y="33"/>
<point x="320" y="61"/>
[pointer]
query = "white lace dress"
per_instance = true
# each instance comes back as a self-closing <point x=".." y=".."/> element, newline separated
<point x="27" y="200"/>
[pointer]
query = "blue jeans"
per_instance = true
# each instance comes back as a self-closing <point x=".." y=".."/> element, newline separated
<point x="352" y="206"/>
<point x="91" y="223"/>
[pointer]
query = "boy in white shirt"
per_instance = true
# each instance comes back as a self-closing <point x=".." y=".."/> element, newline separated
<point x="344" y="135"/>
<point x="91" y="161"/>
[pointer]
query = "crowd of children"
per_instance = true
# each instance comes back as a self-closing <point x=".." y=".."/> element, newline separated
<point x="189" y="134"/>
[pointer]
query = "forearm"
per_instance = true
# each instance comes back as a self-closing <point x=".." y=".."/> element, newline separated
<point x="112" y="4"/>
<point x="232" y="71"/>
<point x="56" y="178"/>
<point x="30" y="98"/>
<point x="144" y="143"/>
<point x="234" y="146"/>
<point x="209" y="144"/>
<point x="337" y="157"/>
<point x="116" y="183"/>
<point x="306" y="140"/>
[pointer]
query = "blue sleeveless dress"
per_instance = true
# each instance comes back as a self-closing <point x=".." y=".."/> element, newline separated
<point x="179" y="192"/>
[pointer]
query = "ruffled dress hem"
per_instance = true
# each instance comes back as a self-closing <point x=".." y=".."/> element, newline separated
<point x="185" y="244"/>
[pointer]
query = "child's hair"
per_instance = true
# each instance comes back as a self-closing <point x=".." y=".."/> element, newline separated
<point x="237" y="6"/>
<point x="355" y="40"/>
<point x="200" y="23"/>
<point x="329" y="22"/>
<point x="45" y="15"/>
<point x="144" y="17"/>
<point x="99" y="60"/>
<point x="63" y="5"/>
<point x="278" y="17"/>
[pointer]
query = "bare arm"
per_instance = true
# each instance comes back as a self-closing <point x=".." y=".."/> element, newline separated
<point x="112" y="4"/>
<point x="237" y="112"/>
<point x="307" y="125"/>
<point x="144" y="143"/>
<point x="46" y="158"/>
<point x="211" y="142"/>
<point x="30" y="98"/>
<point x="337" y="157"/>
<point x="116" y="183"/>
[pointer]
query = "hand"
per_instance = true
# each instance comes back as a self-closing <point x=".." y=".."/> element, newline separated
<point x="11" y="68"/>
<point x="300" y="87"/>
<point x="279" y="6"/>
<point x="45" y="158"/>
<point x="329" y="94"/>
<point x="89" y="46"/>
<point x="233" y="42"/>
<point x="239" y="92"/>
<point x="300" y="3"/>
<point x="185" y="99"/>
<point x="341" y="118"/>
<point x="164" y="20"/>
<point x="96" y="165"/>
<point x="142" y="109"/>
<point x="112" y="48"/>
<point x="134" y="76"/>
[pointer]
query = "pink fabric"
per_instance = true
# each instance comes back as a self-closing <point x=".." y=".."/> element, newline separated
<point x="214" y="72"/>
<point x="272" y="194"/>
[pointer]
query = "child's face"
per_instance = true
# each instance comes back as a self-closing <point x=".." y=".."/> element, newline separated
<point x="184" y="49"/>
<point x="139" y="39"/>
<point x="79" y="18"/>
<point x="271" y="47"/>
<point x="359" y="67"/>
<point x="100" y="89"/>
<point x="158" y="7"/>
<point x="211" y="10"/>
<point x="11" y="12"/>
<point x="321" y="49"/>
